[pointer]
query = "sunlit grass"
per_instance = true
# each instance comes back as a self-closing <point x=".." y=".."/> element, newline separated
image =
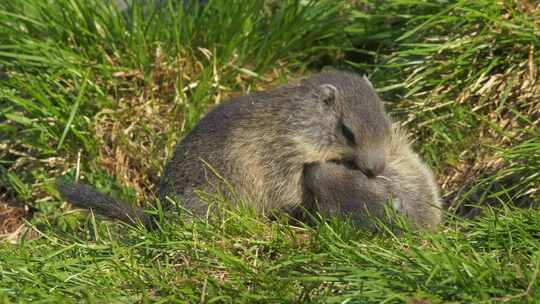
<point x="90" y="91"/>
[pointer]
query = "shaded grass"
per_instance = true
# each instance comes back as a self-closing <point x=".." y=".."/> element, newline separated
<point x="89" y="91"/>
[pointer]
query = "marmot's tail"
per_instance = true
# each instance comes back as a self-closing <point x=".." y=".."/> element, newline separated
<point x="87" y="197"/>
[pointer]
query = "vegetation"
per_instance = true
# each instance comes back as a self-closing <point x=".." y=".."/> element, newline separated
<point x="103" y="95"/>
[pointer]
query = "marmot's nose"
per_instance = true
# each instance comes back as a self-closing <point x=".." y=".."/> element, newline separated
<point x="372" y="164"/>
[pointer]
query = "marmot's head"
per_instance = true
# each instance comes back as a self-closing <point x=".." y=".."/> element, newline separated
<point x="345" y="122"/>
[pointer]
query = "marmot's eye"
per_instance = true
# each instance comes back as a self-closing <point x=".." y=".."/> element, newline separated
<point x="348" y="133"/>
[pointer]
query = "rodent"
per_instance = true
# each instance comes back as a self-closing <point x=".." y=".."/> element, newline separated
<point x="406" y="184"/>
<point x="262" y="142"/>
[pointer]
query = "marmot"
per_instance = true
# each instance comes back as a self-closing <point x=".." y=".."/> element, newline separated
<point x="406" y="183"/>
<point x="262" y="143"/>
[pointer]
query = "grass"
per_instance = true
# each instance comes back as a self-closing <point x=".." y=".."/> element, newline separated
<point x="245" y="259"/>
<point x="88" y="91"/>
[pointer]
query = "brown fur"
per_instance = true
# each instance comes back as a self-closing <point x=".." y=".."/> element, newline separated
<point x="262" y="142"/>
<point x="406" y="184"/>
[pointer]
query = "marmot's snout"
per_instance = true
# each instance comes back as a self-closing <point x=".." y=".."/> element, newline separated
<point x="372" y="164"/>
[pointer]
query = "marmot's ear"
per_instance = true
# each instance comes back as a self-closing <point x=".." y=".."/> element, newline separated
<point x="328" y="93"/>
<point x="367" y="81"/>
